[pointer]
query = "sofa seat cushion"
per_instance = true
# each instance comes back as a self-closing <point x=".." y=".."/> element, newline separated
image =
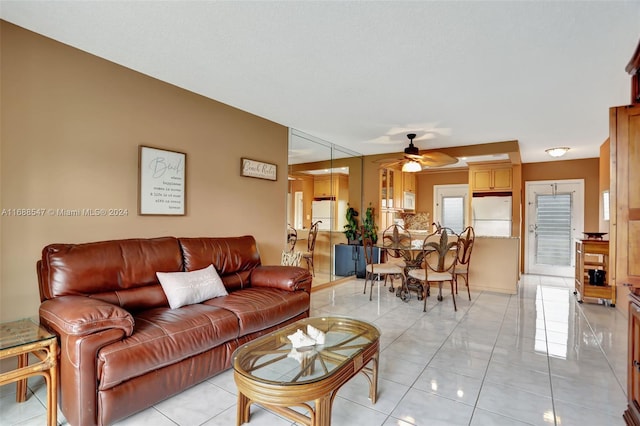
<point x="259" y="308"/>
<point x="164" y="336"/>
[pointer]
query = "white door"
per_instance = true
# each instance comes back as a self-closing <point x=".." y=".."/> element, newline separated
<point x="555" y="217"/>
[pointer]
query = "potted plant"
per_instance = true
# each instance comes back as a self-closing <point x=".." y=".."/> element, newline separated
<point x="369" y="226"/>
<point x="351" y="228"/>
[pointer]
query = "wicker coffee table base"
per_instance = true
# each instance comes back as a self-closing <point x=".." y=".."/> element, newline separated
<point x="280" y="398"/>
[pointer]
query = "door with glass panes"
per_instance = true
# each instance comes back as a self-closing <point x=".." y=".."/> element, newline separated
<point x="449" y="202"/>
<point x="555" y="217"/>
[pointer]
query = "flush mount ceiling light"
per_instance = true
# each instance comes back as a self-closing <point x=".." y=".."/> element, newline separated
<point x="557" y="152"/>
<point x="411" y="167"/>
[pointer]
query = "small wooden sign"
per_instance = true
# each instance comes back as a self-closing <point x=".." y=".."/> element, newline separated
<point x="258" y="169"/>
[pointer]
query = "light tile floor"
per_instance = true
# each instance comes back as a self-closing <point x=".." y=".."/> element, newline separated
<point x="535" y="358"/>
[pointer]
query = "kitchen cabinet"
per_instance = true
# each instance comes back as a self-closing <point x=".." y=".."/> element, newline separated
<point x="491" y="177"/>
<point x="390" y="196"/>
<point x="632" y="414"/>
<point x="390" y="188"/>
<point x="592" y="262"/>
<point x="322" y="187"/>
<point x="409" y="182"/>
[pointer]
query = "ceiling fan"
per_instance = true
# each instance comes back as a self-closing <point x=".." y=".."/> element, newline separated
<point x="413" y="161"/>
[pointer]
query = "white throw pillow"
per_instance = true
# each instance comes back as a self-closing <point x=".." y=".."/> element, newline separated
<point x="186" y="288"/>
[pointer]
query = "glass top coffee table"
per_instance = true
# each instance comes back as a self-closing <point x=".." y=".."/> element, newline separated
<point x="270" y="372"/>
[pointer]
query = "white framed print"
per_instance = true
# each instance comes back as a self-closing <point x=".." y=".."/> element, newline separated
<point x="162" y="181"/>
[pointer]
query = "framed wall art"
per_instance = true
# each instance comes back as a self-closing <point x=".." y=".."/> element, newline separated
<point x="162" y="182"/>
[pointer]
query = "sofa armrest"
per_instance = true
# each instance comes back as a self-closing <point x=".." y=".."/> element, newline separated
<point x="84" y="325"/>
<point x="291" y="278"/>
<point x="81" y="316"/>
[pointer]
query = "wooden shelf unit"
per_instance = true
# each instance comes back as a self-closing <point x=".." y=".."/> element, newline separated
<point x="593" y="254"/>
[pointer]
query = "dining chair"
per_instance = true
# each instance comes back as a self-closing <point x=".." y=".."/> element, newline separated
<point x="373" y="269"/>
<point x="396" y="242"/>
<point x="466" y="238"/>
<point x="440" y="254"/>
<point x="311" y="245"/>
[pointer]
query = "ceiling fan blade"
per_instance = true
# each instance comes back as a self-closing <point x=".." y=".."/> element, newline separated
<point x="437" y="159"/>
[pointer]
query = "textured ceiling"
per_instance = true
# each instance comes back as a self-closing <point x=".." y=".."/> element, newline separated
<point x="363" y="74"/>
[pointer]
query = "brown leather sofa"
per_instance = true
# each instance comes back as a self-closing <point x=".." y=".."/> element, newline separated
<point x="122" y="349"/>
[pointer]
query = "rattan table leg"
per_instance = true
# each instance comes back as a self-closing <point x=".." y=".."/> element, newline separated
<point x="243" y="409"/>
<point x="373" y="388"/>
<point x="51" y="376"/>
<point x="323" y="411"/>
<point x="21" y="385"/>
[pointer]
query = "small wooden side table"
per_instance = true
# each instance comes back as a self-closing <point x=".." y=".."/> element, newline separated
<point x="21" y="338"/>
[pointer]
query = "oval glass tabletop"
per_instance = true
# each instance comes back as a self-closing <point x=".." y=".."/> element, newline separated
<point x="273" y="359"/>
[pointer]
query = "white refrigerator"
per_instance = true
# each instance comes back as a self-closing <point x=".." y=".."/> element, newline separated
<point x="321" y="210"/>
<point x="491" y="216"/>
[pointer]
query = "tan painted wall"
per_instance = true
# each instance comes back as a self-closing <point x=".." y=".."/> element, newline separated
<point x="71" y="126"/>
<point x="586" y="169"/>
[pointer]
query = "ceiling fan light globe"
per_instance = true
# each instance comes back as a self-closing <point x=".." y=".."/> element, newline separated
<point x="411" y="167"/>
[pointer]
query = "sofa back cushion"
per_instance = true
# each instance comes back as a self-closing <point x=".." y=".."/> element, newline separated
<point x="233" y="257"/>
<point x="122" y="272"/>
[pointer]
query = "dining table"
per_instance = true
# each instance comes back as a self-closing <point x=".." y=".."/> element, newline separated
<point x="412" y="255"/>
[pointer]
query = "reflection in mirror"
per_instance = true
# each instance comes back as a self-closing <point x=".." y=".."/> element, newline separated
<point x="324" y="180"/>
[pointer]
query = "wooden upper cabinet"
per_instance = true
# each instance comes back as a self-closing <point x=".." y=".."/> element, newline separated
<point x="390" y="188"/>
<point x="322" y="187"/>
<point x="409" y="182"/>
<point x="485" y="178"/>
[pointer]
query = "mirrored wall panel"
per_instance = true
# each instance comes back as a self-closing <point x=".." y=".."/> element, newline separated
<point x="324" y="181"/>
